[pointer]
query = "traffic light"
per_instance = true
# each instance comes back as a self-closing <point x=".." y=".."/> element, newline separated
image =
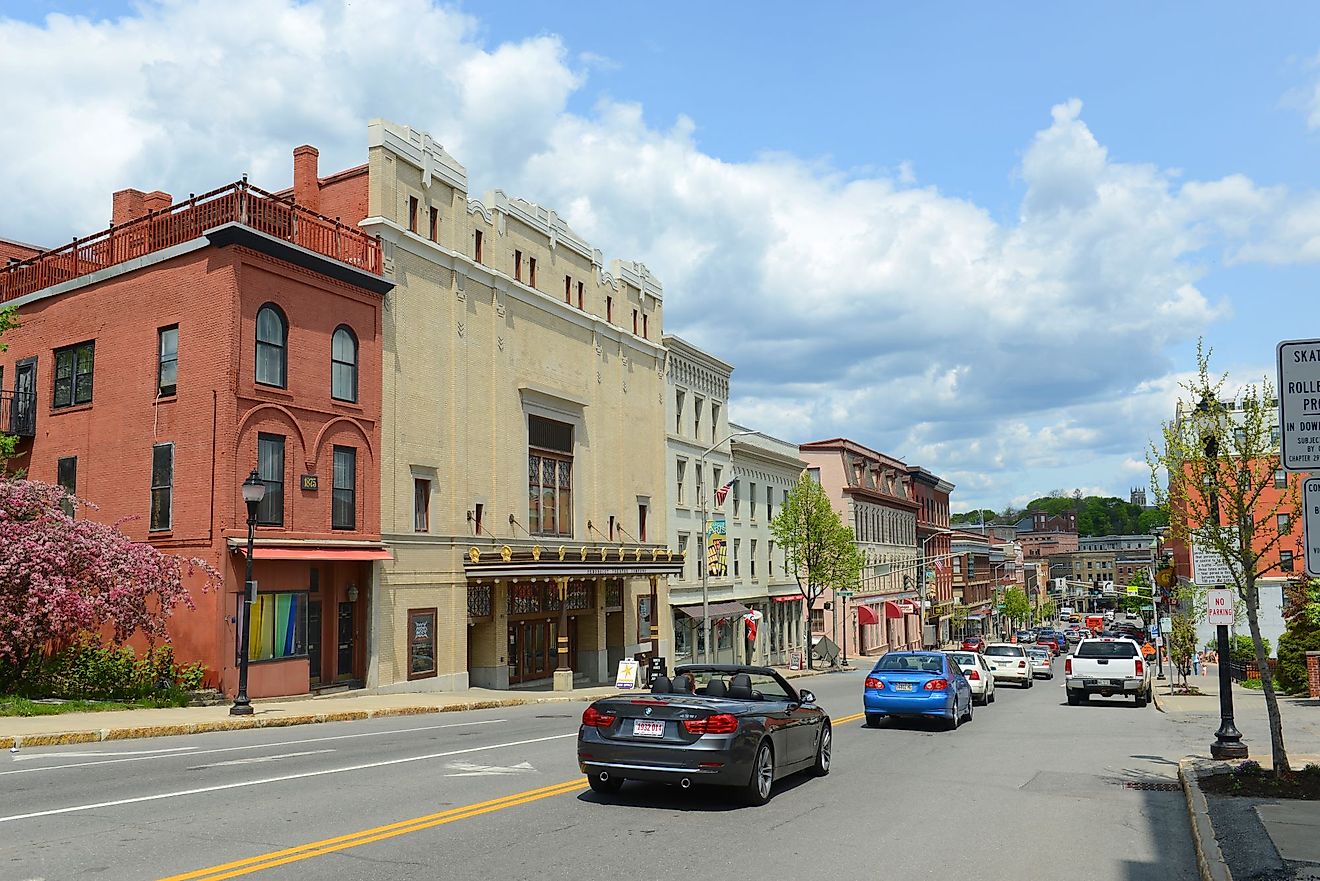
<point x="827" y="605"/>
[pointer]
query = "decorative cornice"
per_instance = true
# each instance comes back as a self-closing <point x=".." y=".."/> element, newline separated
<point x="420" y="150"/>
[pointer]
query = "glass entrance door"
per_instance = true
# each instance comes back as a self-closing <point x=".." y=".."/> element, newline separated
<point x="533" y="648"/>
<point x="344" y="643"/>
<point x="314" y="641"/>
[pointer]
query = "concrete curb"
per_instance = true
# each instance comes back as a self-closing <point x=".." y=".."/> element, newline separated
<point x="1155" y="698"/>
<point x="1209" y="858"/>
<point x="240" y="723"/>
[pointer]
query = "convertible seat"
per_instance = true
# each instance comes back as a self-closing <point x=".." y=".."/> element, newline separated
<point x="716" y="688"/>
<point x="661" y="685"/>
<point x="740" y="687"/>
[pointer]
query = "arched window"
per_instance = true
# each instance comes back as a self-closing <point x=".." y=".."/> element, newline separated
<point x="272" y="344"/>
<point x="344" y="365"/>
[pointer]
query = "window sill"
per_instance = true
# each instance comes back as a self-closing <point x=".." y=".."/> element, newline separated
<point x="278" y="660"/>
<point x="160" y="533"/>
<point x="72" y="408"/>
<point x="274" y="392"/>
<point x="166" y="399"/>
<point x="348" y="405"/>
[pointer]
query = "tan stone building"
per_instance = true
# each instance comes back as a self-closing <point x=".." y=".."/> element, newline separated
<point x="523" y="450"/>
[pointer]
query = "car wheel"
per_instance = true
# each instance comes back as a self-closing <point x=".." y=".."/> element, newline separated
<point x="969" y="710"/>
<point x="756" y="792"/>
<point x="1141" y="700"/>
<point x="605" y="787"/>
<point x="991" y="698"/>
<point x="873" y="720"/>
<point x="824" y="751"/>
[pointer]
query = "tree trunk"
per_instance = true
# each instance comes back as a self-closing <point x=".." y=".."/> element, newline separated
<point x="810" y="601"/>
<point x="1280" y="753"/>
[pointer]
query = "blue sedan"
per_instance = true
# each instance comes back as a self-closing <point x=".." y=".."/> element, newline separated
<point x="917" y="684"/>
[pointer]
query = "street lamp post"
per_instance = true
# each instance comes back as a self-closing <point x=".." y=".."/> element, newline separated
<point x="253" y="492"/>
<point x="1228" y="740"/>
<point x="705" y="590"/>
<point x="921" y="588"/>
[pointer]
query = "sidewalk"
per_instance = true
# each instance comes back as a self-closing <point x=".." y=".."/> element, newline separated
<point x="27" y="731"/>
<point x="1225" y="829"/>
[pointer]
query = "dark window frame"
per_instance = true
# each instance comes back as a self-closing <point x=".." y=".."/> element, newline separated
<point x="477" y="242"/>
<point x="272" y="621"/>
<point x="435" y="223"/>
<point x="433" y="613"/>
<point x="554" y="442"/>
<point x="67" y="481"/>
<point x="281" y="347"/>
<point x="336" y="503"/>
<point x="274" y="485"/>
<point x="164" y="389"/>
<point x="71" y="356"/>
<point x="161" y="489"/>
<point x="351" y="366"/>
<point x="421" y="504"/>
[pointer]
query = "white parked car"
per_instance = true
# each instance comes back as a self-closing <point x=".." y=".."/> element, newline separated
<point x="979" y="674"/>
<point x="1010" y="663"/>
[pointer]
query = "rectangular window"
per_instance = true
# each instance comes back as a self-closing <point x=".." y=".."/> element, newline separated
<point x="435" y="224"/>
<point x="1280" y="479"/>
<point x="581" y="296"/>
<point x="1286" y="561"/>
<point x="1274" y="435"/>
<point x="66" y="471"/>
<point x="517" y="265"/>
<point x="770" y="560"/>
<point x="531" y="271"/>
<point x="343" y="503"/>
<point x="167" y="363"/>
<point x="421" y="505"/>
<point x="162" y="486"/>
<point x="736" y="492"/>
<point x="716" y="477"/>
<point x="752" y="559"/>
<point x="609" y="309"/>
<point x="678" y="411"/>
<point x="714" y="421"/>
<point x="697" y="406"/>
<point x="421" y="643"/>
<point x="681" y="470"/>
<point x="549" y="477"/>
<point x="412" y="214"/>
<point x="751" y="499"/>
<point x="568" y="290"/>
<point x="73" y="375"/>
<point x="817" y="620"/>
<point x="641" y="522"/>
<point x="270" y="468"/>
<point x="611" y="532"/>
<point x="646" y="332"/>
<point x="1239" y="437"/>
<point x="634" y="322"/>
<point x="769" y="503"/>
<point x="682" y="552"/>
<point x="480" y="510"/>
<point x="644" y="617"/>
<point x="278" y="626"/>
<point x="476" y="246"/>
<point x="1281" y="520"/>
<point x="737" y="546"/>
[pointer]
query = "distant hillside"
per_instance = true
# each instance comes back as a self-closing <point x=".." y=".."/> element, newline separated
<point x="1096" y="515"/>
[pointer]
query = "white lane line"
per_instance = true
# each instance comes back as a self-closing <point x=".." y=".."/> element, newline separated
<point x="32" y="757"/>
<point x="472" y="769"/>
<point x="256" y="760"/>
<point x="229" y="749"/>
<point x="321" y="773"/>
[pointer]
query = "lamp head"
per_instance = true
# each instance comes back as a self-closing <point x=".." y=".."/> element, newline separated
<point x="253" y="489"/>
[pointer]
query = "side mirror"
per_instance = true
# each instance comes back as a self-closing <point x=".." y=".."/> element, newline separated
<point x="806" y="697"/>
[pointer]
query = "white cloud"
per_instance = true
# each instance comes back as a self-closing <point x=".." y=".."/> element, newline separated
<point x="863" y="304"/>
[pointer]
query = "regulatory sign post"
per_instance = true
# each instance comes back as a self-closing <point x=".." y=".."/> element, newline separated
<point x="1219" y="607"/>
<point x="1299" y="405"/>
<point x="1311" y="525"/>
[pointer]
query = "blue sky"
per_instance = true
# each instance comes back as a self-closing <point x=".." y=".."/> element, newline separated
<point x="980" y="236"/>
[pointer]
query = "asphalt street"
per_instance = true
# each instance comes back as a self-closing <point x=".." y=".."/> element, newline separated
<point x="1030" y="788"/>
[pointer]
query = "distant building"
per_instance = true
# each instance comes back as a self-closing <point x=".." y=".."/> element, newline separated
<point x="1137" y="496"/>
<point x="1042" y="534"/>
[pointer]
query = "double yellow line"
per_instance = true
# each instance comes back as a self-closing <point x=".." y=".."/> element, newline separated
<point x="379" y="833"/>
<point x="846" y="719"/>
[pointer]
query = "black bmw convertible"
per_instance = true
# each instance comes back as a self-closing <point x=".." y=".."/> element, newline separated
<point x="722" y="724"/>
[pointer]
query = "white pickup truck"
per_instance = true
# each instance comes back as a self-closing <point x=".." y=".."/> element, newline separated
<point x="1107" y="667"/>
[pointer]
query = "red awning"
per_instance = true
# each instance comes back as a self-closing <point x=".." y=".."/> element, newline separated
<point x="333" y="554"/>
<point x="788" y="599"/>
<point x="866" y="615"/>
<point x="892" y="610"/>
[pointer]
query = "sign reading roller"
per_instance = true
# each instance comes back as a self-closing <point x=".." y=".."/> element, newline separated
<point x="1299" y="405"/>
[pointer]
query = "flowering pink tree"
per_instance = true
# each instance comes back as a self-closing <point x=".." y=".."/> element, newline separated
<point x="61" y="577"/>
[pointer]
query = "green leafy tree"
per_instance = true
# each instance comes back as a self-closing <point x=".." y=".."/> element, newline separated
<point x="1017" y="608"/>
<point x="817" y="546"/>
<point x="1182" y="645"/>
<point x="8" y="443"/>
<point x="1220" y="469"/>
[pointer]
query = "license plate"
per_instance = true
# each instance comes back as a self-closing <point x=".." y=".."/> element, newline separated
<point x="648" y="728"/>
<point x="903" y="686"/>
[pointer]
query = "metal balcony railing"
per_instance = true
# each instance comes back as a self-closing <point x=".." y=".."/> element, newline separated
<point x="239" y="202"/>
<point x="18" y="413"/>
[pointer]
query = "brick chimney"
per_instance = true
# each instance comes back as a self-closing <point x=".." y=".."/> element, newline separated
<point x="127" y="205"/>
<point x="157" y="200"/>
<point x="306" y="183"/>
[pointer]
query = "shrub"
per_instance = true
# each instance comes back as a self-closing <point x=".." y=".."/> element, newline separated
<point x="87" y="670"/>
<point x="1243" y="651"/>
<point x="1302" y="636"/>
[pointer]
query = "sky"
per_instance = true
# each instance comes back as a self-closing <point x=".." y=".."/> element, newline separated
<point x="982" y="237"/>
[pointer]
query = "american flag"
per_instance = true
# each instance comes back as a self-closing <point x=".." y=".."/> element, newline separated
<point x="723" y="492"/>
<point x="939" y="565"/>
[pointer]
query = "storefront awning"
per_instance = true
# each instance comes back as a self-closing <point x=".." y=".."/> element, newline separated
<point x="318" y="553"/>
<point x="792" y="598"/>
<point x="899" y="609"/>
<point x="717" y="610"/>
<point x="866" y="615"/>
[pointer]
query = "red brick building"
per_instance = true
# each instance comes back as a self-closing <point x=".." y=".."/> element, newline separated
<point x="160" y="361"/>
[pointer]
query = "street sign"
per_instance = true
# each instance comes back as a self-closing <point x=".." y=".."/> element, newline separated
<point x="1219" y="607"/>
<point x="1208" y="567"/>
<point x="1299" y="405"/>
<point x="846" y="594"/>
<point x="1166" y="625"/>
<point x="1311" y="524"/>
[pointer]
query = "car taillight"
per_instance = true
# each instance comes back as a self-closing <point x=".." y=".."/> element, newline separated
<point x="719" y="723"/>
<point x="1141" y="668"/>
<point x="1067" y="667"/>
<point x="1022" y="663"/>
<point x="973" y="675"/>
<point x="877" y="684"/>
<point x="594" y="718"/>
<point x="937" y="685"/>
